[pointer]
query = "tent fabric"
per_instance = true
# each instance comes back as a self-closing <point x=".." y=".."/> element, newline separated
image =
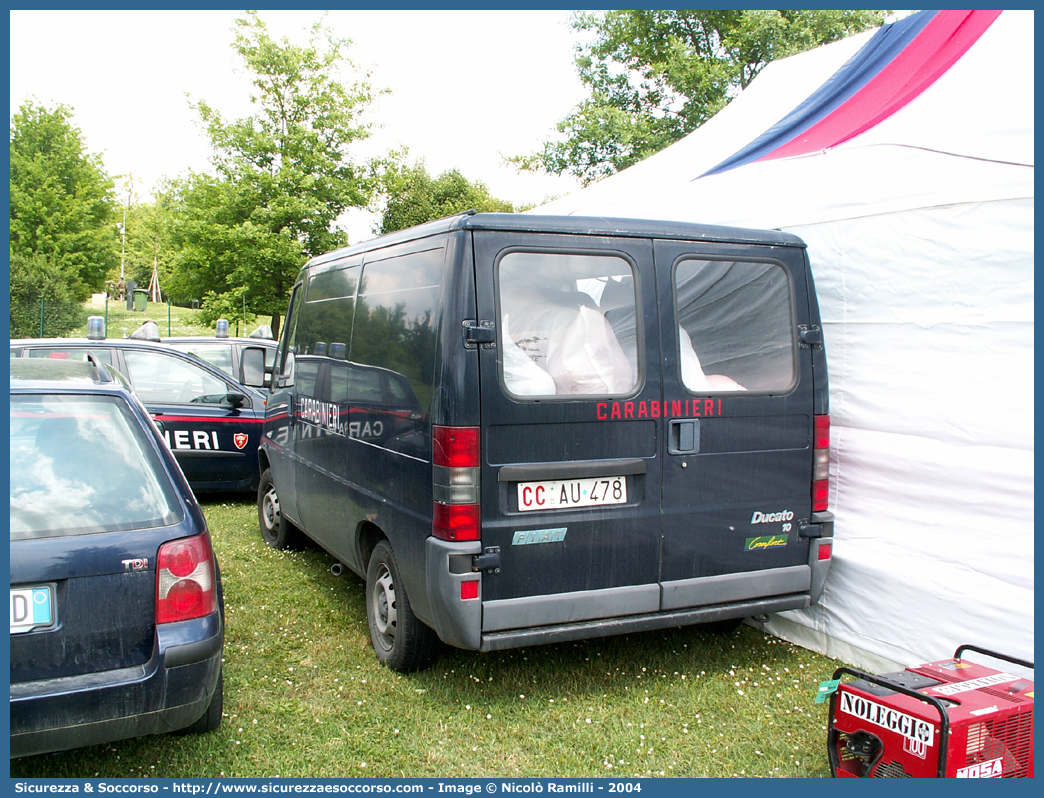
<point x="887" y="73"/>
<point x="920" y="237"/>
<point x="878" y="53"/>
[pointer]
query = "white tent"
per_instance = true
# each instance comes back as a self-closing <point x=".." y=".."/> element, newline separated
<point x="919" y="228"/>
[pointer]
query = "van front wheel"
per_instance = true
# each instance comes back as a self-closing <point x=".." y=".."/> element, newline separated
<point x="275" y="529"/>
<point x="401" y="641"/>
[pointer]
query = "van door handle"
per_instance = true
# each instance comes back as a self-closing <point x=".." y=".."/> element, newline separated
<point x="683" y="436"/>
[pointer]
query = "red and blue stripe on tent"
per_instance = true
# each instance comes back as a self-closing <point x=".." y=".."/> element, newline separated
<point x="896" y="65"/>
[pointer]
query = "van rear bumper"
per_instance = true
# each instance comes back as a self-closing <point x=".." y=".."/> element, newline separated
<point x="607" y="627"/>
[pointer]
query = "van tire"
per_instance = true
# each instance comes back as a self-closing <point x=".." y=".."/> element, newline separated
<point x="401" y="641"/>
<point x="276" y="530"/>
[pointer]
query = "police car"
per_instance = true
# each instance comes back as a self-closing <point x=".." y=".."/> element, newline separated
<point x="222" y="353"/>
<point x="211" y="422"/>
<point x="117" y="626"/>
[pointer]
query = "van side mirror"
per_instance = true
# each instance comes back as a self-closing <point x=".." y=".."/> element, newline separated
<point x="252" y="366"/>
<point x="235" y="399"/>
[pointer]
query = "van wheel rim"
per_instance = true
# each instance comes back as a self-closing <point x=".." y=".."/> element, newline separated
<point x="385" y="615"/>
<point x="270" y="510"/>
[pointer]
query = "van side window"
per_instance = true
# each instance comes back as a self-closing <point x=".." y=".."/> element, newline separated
<point x="395" y="330"/>
<point x="567" y="324"/>
<point x="324" y="333"/>
<point x="736" y="326"/>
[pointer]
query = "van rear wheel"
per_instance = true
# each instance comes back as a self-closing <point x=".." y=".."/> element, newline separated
<point x="277" y="532"/>
<point x="401" y="641"/>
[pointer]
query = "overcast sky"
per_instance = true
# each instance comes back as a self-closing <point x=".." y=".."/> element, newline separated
<point x="467" y="87"/>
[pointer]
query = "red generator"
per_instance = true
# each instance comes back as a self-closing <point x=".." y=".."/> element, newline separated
<point x="947" y="719"/>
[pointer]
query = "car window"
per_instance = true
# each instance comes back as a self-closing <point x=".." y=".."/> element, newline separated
<point x="567" y="324"/>
<point x="166" y="379"/>
<point x="82" y="464"/>
<point x="736" y="328"/>
<point x="216" y="354"/>
<point x="72" y="353"/>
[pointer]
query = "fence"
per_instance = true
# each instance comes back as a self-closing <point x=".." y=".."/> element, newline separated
<point x="54" y="319"/>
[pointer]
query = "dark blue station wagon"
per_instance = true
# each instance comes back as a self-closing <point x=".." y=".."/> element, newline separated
<point x="117" y="624"/>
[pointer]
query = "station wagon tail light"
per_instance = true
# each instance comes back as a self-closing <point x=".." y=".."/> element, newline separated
<point x="185" y="580"/>
<point x="821" y="463"/>
<point x="455" y="483"/>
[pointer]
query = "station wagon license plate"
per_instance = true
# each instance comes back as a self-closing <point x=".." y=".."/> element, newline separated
<point x="31" y="608"/>
<point x="567" y="493"/>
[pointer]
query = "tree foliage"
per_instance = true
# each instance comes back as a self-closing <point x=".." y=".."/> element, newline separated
<point x="414" y="197"/>
<point x="43" y="299"/>
<point x="284" y="174"/>
<point x="655" y="76"/>
<point x="62" y="205"/>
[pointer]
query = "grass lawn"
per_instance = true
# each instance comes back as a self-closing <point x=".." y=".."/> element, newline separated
<point x="305" y="696"/>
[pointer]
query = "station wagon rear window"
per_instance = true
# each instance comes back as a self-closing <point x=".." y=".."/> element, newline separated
<point x="82" y="464"/>
<point x="735" y="326"/>
<point x="567" y="324"/>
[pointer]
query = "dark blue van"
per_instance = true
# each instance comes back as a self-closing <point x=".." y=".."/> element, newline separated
<point x="523" y="429"/>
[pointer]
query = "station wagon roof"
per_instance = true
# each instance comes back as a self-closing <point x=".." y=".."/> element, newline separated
<point x="49" y="374"/>
<point x="575" y="225"/>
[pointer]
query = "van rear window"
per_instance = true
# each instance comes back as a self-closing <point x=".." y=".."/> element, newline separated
<point x="567" y="324"/>
<point x="735" y="326"/>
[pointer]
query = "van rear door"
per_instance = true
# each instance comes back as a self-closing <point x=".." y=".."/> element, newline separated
<point x="570" y="415"/>
<point x="737" y="457"/>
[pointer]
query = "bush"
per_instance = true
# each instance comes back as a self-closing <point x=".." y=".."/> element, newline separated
<point x="223" y="306"/>
<point x="37" y="280"/>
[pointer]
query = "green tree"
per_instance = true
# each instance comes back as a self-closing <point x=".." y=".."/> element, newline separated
<point x="147" y="242"/>
<point x="415" y="197"/>
<point x="43" y="298"/>
<point x="284" y="174"/>
<point x="655" y="76"/>
<point x="62" y="205"/>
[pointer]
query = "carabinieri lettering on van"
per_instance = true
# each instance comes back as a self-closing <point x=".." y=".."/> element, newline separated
<point x="887" y="718"/>
<point x="325" y="414"/>
<point x="686" y="408"/>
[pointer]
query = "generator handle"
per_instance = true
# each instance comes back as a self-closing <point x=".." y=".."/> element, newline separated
<point x="944" y="715"/>
<point x="988" y="653"/>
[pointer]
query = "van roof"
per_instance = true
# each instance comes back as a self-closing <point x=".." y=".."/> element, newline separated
<point x="576" y="225"/>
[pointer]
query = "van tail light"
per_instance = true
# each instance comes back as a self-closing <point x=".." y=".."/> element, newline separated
<point x="821" y="463"/>
<point x="186" y="583"/>
<point x="455" y="481"/>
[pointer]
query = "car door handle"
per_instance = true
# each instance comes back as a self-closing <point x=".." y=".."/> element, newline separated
<point x="683" y="436"/>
